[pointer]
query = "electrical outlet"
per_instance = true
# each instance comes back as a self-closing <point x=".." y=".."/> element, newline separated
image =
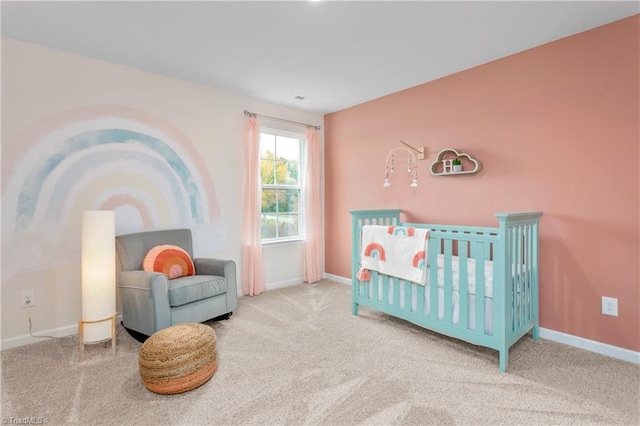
<point x="28" y="298"/>
<point x="610" y="306"/>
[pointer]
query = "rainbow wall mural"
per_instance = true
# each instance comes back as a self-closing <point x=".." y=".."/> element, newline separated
<point x="104" y="158"/>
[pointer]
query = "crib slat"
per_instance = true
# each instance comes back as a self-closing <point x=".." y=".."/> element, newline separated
<point x="480" y="287"/>
<point x="420" y="297"/>
<point x="448" y="281"/>
<point x="528" y="264"/>
<point x="521" y="293"/>
<point x="364" y="289"/>
<point x="514" y="265"/>
<point x="434" y="246"/>
<point x="463" y="286"/>
<point x="385" y="289"/>
<point x="513" y="287"/>
<point x="374" y="284"/>
<point x="407" y="295"/>
<point x="396" y="292"/>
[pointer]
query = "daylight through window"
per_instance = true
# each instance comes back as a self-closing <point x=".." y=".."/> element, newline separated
<point x="280" y="172"/>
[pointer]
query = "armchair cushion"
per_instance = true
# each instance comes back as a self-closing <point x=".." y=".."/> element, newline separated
<point x="171" y="260"/>
<point x="196" y="287"/>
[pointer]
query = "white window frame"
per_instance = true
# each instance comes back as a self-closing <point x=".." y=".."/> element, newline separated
<point x="300" y="186"/>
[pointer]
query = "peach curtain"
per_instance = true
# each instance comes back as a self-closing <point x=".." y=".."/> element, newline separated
<point x="313" y="266"/>
<point x="253" y="281"/>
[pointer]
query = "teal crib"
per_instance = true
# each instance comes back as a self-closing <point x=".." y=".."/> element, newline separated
<point x="481" y="283"/>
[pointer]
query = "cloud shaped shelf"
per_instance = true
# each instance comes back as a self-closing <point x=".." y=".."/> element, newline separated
<point x="443" y="164"/>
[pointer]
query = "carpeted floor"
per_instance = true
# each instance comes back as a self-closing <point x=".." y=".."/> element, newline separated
<point x="296" y="356"/>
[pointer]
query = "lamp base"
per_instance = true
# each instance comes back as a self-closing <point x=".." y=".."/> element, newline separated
<point x="81" y="343"/>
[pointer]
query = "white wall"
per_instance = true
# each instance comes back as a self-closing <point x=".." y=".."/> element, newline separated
<point x="46" y="93"/>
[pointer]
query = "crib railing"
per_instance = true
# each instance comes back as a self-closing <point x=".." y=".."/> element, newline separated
<point x="497" y="321"/>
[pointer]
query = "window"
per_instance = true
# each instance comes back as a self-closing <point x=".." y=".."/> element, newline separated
<point x="280" y="172"/>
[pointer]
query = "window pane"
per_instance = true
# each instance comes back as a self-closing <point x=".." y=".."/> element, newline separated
<point x="267" y="145"/>
<point x="288" y="148"/>
<point x="282" y="172"/>
<point x="268" y="226"/>
<point x="287" y="225"/>
<point x="287" y="172"/>
<point x="267" y="173"/>
<point x="293" y="170"/>
<point x="288" y="200"/>
<point x="269" y="201"/>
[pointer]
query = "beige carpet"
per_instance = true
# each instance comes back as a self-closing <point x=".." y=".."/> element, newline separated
<point x="296" y="356"/>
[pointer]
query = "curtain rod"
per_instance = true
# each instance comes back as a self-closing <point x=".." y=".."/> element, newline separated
<point x="280" y="119"/>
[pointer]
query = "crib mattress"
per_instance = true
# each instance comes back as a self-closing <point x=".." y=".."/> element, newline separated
<point x="455" y="301"/>
<point x="471" y="275"/>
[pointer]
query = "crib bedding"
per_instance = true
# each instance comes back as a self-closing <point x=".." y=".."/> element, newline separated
<point x="490" y="300"/>
<point x="471" y="275"/>
<point x="455" y="299"/>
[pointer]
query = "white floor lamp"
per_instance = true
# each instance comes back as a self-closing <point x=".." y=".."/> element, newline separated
<point x="98" y="324"/>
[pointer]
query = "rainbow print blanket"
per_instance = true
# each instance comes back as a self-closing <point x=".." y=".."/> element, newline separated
<point x="397" y="251"/>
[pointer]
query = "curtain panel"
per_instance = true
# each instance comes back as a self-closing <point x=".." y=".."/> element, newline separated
<point x="253" y="280"/>
<point x="313" y="245"/>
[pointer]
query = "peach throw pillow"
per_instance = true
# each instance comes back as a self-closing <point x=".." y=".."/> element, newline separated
<point x="173" y="261"/>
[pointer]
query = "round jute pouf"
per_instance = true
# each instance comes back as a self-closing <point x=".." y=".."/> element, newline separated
<point x="179" y="358"/>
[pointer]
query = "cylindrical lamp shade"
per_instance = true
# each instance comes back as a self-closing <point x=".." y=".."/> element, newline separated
<point x="98" y="274"/>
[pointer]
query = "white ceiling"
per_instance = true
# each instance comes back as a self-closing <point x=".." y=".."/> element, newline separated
<point x="334" y="53"/>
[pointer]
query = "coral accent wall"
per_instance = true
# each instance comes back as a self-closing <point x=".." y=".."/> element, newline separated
<point x="556" y="128"/>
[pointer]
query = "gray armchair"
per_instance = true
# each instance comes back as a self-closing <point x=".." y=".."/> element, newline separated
<point x="151" y="302"/>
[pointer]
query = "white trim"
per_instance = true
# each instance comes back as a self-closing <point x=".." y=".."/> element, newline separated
<point x="338" y="279"/>
<point x="267" y="244"/>
<point x="26" y="339"/>
<point x="276" y="285"/>
<point x="14" y="342"/>
<point x="282" y="284"/>
<point x="591" y="345"/>
<point x="556" y="336"/>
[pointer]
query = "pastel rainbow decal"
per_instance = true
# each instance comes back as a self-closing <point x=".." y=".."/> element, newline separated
<point x="100" y="158"/>
<point x="375" y="250"/>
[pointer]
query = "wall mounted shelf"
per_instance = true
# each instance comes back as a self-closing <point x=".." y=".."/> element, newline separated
<point x="443" y="165"/>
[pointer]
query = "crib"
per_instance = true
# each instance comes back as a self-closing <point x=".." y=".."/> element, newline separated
<point x="482" y="282"/>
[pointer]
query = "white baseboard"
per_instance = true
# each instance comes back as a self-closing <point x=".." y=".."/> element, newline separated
<point x="591" y="345"/>
<point x="27" y="339"/>
<point x="556" y="336"/>
<point x="281" y="284"/>
<point x="338" y="279"/>
<point x="39" y="336"/>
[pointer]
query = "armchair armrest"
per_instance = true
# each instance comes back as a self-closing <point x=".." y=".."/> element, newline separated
<point x="211" y="266"/>
<point x="145" y="297"/>
<point x="222" y="268"/>
<point x="143" y="280"/>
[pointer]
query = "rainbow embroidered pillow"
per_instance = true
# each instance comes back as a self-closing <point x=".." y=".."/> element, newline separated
<point x="173" y="261"/>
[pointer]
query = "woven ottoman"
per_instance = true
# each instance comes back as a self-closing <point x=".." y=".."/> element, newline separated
<point x="178" y="359"/>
